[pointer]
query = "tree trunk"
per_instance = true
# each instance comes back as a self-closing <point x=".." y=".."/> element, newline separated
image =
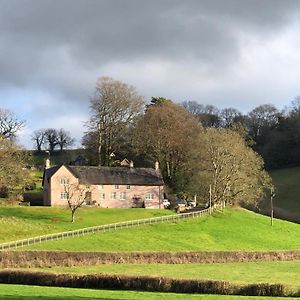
<point x="73" y="215"/>
<point x="100" y="144"/>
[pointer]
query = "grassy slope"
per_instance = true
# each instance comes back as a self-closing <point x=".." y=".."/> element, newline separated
<point x="284" y="272"/>
<point x="287" y="188"/>
<point x="21" y="222"/>
<point x="16" y="292"/>
<point x="235" y="229"/>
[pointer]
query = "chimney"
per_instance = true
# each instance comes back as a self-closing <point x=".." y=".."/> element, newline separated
<point x="47" y="164"/>
<point x="131" y="164"/>
<point x="156" y="166"/>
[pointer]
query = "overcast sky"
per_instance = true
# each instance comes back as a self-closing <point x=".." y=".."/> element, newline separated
<point x="238" y="53"/>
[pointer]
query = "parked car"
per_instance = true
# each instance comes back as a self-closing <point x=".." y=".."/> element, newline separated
<point x="166" y="203"/>
<point x="191" y="203"/>
<point x="181" y="202"/>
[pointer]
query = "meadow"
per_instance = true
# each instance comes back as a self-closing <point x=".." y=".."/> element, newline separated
<point x="287" y="186"/>
<point x="283" y="272"/>
<point x="232" y="229"/>
<point x="22" y="222"/>
<point x="17" y="292"/>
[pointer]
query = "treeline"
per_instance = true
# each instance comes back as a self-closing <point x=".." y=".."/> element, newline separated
<point x="51" y="138"/>
<point x="275" y="134"/>
<point x="200" y="149"/>
<point x="196" y="154"/>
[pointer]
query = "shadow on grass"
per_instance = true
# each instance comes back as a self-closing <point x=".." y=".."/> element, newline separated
<point x="56" y="297"/>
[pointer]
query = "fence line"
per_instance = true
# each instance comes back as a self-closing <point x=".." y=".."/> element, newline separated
<point x="103" y="228"/>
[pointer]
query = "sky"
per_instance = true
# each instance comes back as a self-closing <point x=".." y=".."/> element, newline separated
<point x="228" y="53"/>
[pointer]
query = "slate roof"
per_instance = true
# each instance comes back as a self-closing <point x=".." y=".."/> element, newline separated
<point x="112" y="175"/>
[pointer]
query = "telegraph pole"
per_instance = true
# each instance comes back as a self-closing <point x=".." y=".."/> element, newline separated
<point x="272" y="207"/>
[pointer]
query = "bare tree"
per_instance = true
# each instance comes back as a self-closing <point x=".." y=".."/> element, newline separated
<point x="234" y="171"/>
<point x="229" y="116"/>
<point x="167" y="133"/>
<point x="64" y="139"/>
<point x="76" y="196"/>
<point x="38" y="137"/>
<point x="114" y="107"/>
<point x="13" y="174"/>
<point x="9" y="124"/>
<point x="51" y="138"/>
<point x="262" y="117"/>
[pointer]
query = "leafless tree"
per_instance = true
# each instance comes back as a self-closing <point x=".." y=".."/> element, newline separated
<point x="114" y="106"/>
<point x="38" y="137"/>
<point x="76" y="196"/>
<point x="9" y="124"/>
<point x="229" y="116"/>
<point x="64" y="139"/>
<point x="51" y="138"/>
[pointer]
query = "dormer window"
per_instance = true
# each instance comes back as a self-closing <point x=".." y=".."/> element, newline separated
<point x="64" y="181"/>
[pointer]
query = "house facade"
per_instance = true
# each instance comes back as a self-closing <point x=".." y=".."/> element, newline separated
<point x="109" y="187"/>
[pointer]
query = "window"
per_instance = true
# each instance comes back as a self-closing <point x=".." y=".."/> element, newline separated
<point x="102" y="196"/>
<point x="116" y="186"/>
<point x="101" y="187"/>
<point x="122" y="196"/>
<point x="149" y="196"/>
<point x="113" y="195"/>
<point x="64" y="181"/>
<point x="127" y="187"/>
<point x="64" y="196"/>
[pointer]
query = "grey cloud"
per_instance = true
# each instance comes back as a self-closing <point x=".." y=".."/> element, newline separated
<point x="61" y="47"/>
<point x="95" y="33"/>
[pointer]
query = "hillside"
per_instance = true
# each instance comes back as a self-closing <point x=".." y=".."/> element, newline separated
<point x="235" y="229"/>
<point x="22" y="222"/>
<point x="287" y="200"/>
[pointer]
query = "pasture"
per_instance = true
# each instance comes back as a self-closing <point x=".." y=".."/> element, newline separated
<point x="23" y="292"/>
<point x="232" y="229"/>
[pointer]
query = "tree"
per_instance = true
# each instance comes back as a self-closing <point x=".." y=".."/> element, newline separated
<point x="232" y="169"/>
<point x="167" y="133"/>
<point x="13" y="174"/>
<point x="51" y="138"/>
<point x="76" y="197"/>
<point x="262" y="118"/>
<point x="230" y="116"/>
<point x="64" y="139"/>
<point x="9" y="124"/>
<point x="38" y="137"/>
<point x="208" y="115"/>
<point x="114" y="106"/>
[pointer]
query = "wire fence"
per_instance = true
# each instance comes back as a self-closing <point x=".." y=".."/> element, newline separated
<point x="103" y="228"/>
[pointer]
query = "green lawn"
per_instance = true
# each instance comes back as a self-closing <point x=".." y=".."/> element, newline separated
<point x="16" y="292"/>
<point x="287" y="188"/>
<point x="235" y="229"/>
<point x="22" y="222"/>
<point x="284" y="272"/>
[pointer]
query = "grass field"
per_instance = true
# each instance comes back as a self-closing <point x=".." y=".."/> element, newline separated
<point x="284" y="272"/>
<point x="16" y="292"/>
<point x="287" y="188"/>
<point x="22" y="222"/>
<point x="235" y="229"/>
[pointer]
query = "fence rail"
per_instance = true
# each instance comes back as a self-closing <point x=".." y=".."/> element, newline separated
<point x="102" y="228"/>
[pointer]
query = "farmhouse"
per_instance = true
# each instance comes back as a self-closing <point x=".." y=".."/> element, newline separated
<point x="111" y="187"/>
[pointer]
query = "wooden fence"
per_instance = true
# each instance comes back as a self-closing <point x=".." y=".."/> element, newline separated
<point x="102" y="228"/>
